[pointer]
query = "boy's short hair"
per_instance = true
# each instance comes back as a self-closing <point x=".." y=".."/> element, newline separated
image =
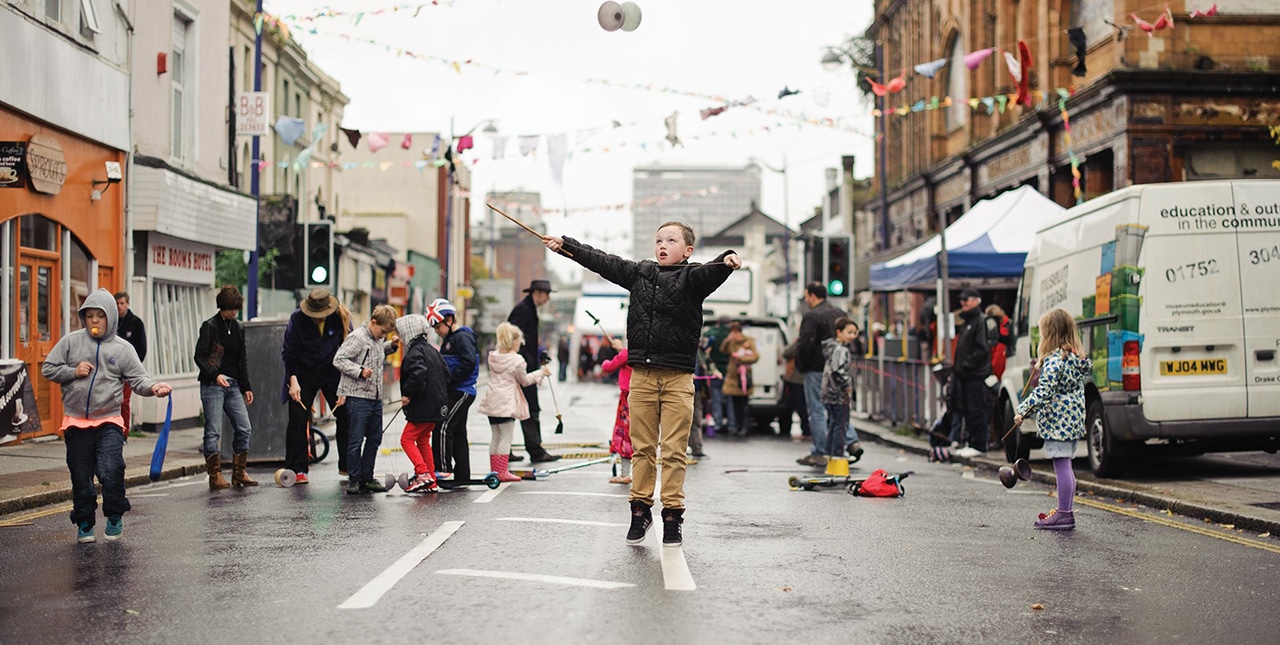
<point x="816" y="290"/>
<point x="684" y="228"/>
<point x="844" y="321"/>
<point x="735" y="326"/>
<point x="510" y="338"/>
<point x="122" y="295"/>
<point x="229" y="298"/>
<point x="385" y="315"/>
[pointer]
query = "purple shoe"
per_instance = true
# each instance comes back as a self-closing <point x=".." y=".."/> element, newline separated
<point x="1057" y="521"/>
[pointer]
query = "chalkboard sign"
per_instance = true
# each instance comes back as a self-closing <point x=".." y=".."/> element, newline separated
<point x="268" y="416"/>
<point x="12" y="164"/>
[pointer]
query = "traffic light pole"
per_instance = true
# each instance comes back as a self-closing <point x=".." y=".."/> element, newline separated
<point x="251" y="310"/>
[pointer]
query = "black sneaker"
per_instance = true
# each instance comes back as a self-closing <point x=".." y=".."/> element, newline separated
<point x="353" y="487"/>
<point x="641" y="520"/>
<point x="372" y="487"/>
<point x="672" y="518"/>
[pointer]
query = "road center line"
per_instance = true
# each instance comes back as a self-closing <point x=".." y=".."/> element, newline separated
<point x="563" y="492"/>
<point x="675" y="571"/>
<point x="556" y="521"/>
<point x="1155" y="519"/>
<point x="488" y="495"/>
<point x="369" y="594"/>
<point x="537" y="577"/>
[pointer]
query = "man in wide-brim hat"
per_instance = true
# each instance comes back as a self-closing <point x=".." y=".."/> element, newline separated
<point x="525" y="316"/>
<point x="316" y="330"/>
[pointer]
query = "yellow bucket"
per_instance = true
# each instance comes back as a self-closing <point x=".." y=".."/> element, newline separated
<point x="838" y="467"/>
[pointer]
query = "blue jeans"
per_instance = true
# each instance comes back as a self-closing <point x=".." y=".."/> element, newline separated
<point x="229" y="401"/>
<point x="722" y="407"/>
<point x="837" y="426"/>
<point x="817" y="412"/>
<point x="365" y="429"/>
<point x="96" y="451"/>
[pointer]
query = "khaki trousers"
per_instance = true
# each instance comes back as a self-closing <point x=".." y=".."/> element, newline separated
<point x="661" y="403"/>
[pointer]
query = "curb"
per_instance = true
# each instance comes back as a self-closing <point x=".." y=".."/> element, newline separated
<point x="1184" y="508"/>
<point x="63" y="494"/>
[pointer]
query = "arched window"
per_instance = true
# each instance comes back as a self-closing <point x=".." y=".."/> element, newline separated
<point x="957" y="86"/>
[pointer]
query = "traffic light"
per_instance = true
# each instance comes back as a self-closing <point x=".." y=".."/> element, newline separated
<point x="838" y="265"/>
<point x="318" y="242"/>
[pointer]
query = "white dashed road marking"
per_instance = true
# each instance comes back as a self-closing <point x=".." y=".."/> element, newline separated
<point x="675" y="571"/>
<point x="555" y="521"/>
<point x="490" y="494"/>
<point x="562" y="492"/>
<point x="537" y="577"/>
<point x="372" y="592"/>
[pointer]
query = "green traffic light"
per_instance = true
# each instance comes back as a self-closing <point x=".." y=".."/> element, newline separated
<point x="836" y="288"/>
<point x="319" y="275"/>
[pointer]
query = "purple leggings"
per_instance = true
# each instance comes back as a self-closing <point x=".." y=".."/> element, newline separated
<point x="1066" y="483"/>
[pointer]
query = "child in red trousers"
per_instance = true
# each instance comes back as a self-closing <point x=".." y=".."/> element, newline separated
<point x="424" y="399"/>
<point x="504" y="401"/>
<point x="621" y="443"/>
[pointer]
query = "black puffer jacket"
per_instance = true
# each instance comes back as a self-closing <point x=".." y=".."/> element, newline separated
<point x="423" y="375"/>
<point x="818" y="325"/>
<point x="973" y="349"/>
<point x="665" y="317"/>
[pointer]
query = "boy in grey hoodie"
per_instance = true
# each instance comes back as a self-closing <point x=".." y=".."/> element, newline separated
<point x="92" y="365"/>
<point x="837" y="387"/>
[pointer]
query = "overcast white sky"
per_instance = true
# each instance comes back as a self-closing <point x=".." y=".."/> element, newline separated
<point x="728" y="48"/>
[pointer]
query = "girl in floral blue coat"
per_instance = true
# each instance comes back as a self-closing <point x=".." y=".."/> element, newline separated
<point x="1058" y="402"/>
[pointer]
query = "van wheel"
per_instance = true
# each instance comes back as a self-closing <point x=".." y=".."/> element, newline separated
<point x="1107" y="457"/>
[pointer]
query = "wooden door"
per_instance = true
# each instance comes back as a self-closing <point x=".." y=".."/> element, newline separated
<point x="38" y="324"/>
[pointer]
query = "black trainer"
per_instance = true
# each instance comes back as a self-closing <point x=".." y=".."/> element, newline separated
<point x="641" y="520"/>
<point x="672" y="518"/>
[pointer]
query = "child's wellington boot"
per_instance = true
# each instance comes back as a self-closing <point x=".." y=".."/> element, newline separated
<point x="499" y="464"/>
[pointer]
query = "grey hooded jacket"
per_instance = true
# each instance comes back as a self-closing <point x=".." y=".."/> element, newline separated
<point x="98" y="395"/>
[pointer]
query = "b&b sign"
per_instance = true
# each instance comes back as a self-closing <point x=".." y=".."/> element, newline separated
<point x="253" y="114"/>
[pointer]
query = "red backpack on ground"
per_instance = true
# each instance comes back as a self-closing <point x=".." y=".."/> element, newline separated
<point x="879" y="484"/>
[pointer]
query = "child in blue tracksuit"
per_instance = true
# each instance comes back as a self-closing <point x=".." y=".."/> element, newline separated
<point x="1058" y="402"/>
<point x="92" y="365"/>
<point x="458" y="349"/>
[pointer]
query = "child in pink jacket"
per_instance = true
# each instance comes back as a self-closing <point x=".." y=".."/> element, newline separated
<point x="621" y="443"/>
<point x="504" y="402"/>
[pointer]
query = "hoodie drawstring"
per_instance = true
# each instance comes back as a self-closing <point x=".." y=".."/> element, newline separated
<point x="92" y="377"/>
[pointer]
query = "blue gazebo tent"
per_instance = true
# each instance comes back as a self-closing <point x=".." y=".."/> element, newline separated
<point x="990" y="241"/>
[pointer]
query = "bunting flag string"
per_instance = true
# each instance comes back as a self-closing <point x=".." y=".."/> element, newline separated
<point x="357" y="16"/>
<point x="648" y="201"/>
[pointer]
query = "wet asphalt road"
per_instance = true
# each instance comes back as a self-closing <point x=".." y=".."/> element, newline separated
<point x="955" y="560"/>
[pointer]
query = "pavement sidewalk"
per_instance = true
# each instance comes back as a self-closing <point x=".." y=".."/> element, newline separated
<point x="1217" y="500"/>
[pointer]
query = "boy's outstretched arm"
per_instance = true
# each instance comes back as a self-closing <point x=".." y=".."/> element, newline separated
<point x="706" y="278"/>
<point x="619" y="271"/>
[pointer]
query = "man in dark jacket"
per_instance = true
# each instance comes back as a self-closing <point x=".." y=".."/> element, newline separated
<point x="315" y="332"/>
<point x="462" y="357"/>
<point x="525" y="316"/>
<point x="817" y="325"/>
<point x="664" y="324"/>
<point x="972" y="367"/>
<point x="131" y="328"/>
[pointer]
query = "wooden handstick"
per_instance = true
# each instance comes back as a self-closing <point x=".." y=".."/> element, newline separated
<point x="523" y="226"/>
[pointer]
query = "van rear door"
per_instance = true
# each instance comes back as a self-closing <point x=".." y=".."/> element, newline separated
<point x="1257" y="225"/>
<point x="1193" y="362"/>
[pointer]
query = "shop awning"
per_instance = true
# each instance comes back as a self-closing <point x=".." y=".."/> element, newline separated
<point x="991" y="240"/>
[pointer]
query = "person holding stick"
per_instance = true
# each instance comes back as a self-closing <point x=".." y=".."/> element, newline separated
<point x="664" y="323"/>
<point x="525" y="317"/>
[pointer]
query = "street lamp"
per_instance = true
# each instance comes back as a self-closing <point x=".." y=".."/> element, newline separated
<point x="786" y="223"/>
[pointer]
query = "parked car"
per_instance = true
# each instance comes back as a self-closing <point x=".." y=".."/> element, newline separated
<point x="771" y="338"/>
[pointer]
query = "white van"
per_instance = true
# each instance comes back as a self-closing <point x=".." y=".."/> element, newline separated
<point x="1176" y="288"/>
<point x="766" y="402"/>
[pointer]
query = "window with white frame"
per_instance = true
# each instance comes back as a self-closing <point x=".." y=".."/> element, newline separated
<point x="177" y="310"/>
<point x="88" y="19"/>
<point x="53" y="9"/>
<point x="957" y="86"/>
<point x="179" y="72"/>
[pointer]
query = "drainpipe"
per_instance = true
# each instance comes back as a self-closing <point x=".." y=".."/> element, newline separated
<point x="129" y="249"/>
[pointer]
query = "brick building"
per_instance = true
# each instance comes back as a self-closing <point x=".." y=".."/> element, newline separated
<point x="1186" y="102"/>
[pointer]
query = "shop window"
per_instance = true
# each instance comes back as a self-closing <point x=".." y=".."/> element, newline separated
<point x="38" y="232"/>
<point x="172" y="344"/>
<point x="78" y="289"/>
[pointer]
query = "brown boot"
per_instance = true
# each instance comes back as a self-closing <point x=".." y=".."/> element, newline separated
<point x="213" y="465"/>
<point x="239" y="476"/>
